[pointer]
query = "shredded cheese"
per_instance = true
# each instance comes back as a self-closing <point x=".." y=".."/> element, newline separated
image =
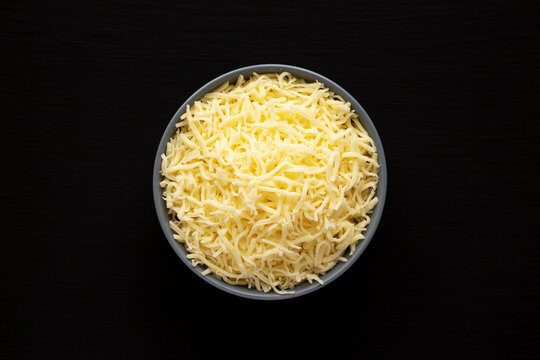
<point x="269" y="181"/>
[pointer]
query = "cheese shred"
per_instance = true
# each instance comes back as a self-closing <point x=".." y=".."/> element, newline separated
<point x="269" y="181"/>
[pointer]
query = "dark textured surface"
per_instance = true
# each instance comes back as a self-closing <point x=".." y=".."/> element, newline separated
<point x="88" y="88"/>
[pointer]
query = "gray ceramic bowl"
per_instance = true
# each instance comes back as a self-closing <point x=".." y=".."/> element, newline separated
<point x="341" y="267"/>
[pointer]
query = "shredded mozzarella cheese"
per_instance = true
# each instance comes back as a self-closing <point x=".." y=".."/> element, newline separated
<point x="269" y="181"/>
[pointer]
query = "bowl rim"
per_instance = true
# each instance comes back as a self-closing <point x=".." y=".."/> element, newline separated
<point x="340" y="267"/>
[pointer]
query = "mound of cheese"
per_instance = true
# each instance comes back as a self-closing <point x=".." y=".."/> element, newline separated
<point x="269" y="181"/>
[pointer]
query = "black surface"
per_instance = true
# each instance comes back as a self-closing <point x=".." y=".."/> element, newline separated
<point x="88" y="89"/>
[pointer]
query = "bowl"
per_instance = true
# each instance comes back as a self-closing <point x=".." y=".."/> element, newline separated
<point x="340" y="267"/>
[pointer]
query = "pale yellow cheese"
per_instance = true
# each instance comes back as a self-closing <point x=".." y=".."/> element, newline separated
<point x="269" y="181"/>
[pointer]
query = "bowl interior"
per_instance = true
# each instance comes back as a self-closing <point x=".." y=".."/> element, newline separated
<point x="340" y="267"/>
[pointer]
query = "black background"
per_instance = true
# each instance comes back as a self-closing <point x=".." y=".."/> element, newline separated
<point x="89" y="87"/>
